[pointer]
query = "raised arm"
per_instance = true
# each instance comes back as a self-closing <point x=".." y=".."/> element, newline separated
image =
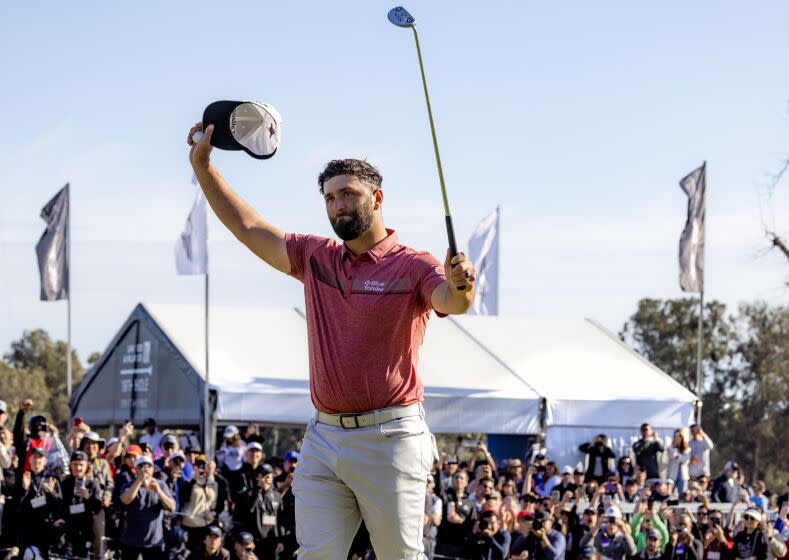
<point x="262" y="238"/>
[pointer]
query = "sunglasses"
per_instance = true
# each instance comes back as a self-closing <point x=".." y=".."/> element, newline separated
<point x="749" y="518"/>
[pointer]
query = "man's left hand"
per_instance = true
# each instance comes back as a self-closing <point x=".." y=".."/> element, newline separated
<point x="459" y="272"/>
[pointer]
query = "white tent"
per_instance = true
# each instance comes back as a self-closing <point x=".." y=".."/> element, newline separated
<point x="481" y="374"/>
<point x="592" y="382"/>
<point x="259" y="370"/>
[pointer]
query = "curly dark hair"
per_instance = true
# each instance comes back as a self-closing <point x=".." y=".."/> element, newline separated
<point x="358" y="168"/>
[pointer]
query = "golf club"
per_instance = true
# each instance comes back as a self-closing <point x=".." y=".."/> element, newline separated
<point x="400" y="17"/>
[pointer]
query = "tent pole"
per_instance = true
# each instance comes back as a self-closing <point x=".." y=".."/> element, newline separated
<point x="206" y="398"/>
<point x="698" y="357"/>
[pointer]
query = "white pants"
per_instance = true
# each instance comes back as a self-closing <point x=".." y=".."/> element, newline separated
<point x="378" y="474"/>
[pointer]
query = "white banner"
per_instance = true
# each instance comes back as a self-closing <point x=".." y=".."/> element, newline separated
<point x="483" y="251"/>
<point x="191" y="249"/>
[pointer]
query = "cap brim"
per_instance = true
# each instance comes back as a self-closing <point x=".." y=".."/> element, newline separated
<point x="220" y="114"/>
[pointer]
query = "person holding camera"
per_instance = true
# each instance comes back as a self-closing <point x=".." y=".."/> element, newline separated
<point x="81" y="501"/>
<point x="717" y="544"/>
<point x="200" y="503"/>
<point x="538" y="539"/>
<point x="211" y="546"/>
<point x="144" y="499"/>
<point x="611" y="536"/>
<point x="682" y="544"/>
<point x="642" y="525"/>
<point x="487" y="541"/>
<point x="600" y="458"/>
<point x="646" y="451"/>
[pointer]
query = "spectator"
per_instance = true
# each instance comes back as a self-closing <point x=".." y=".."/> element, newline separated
<point x="576" y="532"/>
<point x="653" y="549"/>
<point x="644" y="521"/>
<point x="631" y="490"/>
<point x="99" y="469"/>
<point x="81" y="501"/>
<point x="717" y="545"/>
<point x="750" y="541"/>
<point x="262" y="519"/>
<point x="520" y="542"/>
<point x="487" y="541"/>
<point x="683" y="545"/>
<point x="700" y="447"/>
<point x="152" y="437"/>
<point x="599" y="458"/>
<point x="544" y="542"/>
<point x="145" y="499"/>
<point x="231" y="454"/>
<point x="624" y="469"/>
<point x="244" y="480"/>
<point x="759" y="499"/>
<point x="289" y="462"/>
<point x="679" y="462"/>
<point x="211" y="547"/>
<point x="199" y="502"/>
<point x="459" y="518"/>
<point x="646" y="451"/>
<point x="611" y="536"/>
<point x="484" y="488"/>
<point x="244" y="547"/>
<point x="566" y="484"/>
<point x="169" y="445"/>
<point x="433" y="513"/>
<point x="550" y="480"/>
<point x="40" y="504"/>
<point x="726" y="488"/>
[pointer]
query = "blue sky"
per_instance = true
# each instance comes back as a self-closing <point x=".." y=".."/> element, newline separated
<point x="578" y="118"/>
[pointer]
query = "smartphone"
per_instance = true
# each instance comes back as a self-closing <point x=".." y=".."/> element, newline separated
<point x="79" y="484"/>
<point x="779" y="525"/>
<point x="610" y="488"/>
<point x="556" y="496"/>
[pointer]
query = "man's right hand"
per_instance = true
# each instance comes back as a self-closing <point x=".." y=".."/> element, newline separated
<point x="200" y="154"/>
<point x="26" y="479"/>
<point x="26" y="405"/>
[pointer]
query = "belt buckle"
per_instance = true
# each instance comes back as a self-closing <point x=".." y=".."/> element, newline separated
<point x="355" y="421"/>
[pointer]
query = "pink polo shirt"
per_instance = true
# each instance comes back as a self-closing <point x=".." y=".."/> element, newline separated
<point x="366" y="319"/>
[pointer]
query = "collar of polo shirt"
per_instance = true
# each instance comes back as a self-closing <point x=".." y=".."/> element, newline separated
<point x="377" y="251"/>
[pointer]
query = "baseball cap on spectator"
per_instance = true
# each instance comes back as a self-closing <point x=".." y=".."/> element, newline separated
<point x="149" y="422"/>
<point x="40" y="450"/>
<point x="452" y="460"/>
<point x="590" y="510"/>
<point x="193" y="449"/>
<point x="653" y="534"/>
<point x="133" y="450"/>
<point x="201" y="459"/>
<point x="265" y="468"/>
<point x="169" y="439"/>
<point x="612" y="511"/>
<point x="731" y="465"/>
<point x="178" y="455"/>
<point x="254" y="445"/>
<point x="567" y="469"/>
<point x="230" y="432"/>
<point x="3" y="406"/>
<point x="488" y="511"/>
<point x="579" y="469"/>
<point x="525" y="515"/>
<point x="245" y="538"/>
<point x="515" y="463"/>
<point x="144" y="459"/>
<point x="430" y="479"/>
<point x="291" y="456"/>
<point x="214" y="531"/>
<point x="78" y="456"/>
<point x="112" y="441"/>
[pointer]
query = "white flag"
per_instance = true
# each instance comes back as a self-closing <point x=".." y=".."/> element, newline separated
<point x="483" y="251"/>
<point x="691" y="244"/>
<point x="191" y="249"/>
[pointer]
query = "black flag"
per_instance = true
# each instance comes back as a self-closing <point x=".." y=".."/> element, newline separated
<point x="52" y="248"/>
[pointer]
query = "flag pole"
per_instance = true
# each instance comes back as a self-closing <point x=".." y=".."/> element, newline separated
<point x="206" y="398"/>
<point x="68" y="299"/>
<point x="498" y="255"/>
<point x="701" y="305"/>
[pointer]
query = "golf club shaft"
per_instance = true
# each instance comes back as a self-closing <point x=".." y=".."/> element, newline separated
<point x="448" y="217"/>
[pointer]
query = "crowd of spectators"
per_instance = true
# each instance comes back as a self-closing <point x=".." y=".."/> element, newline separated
<point x="150" y="496"/>
<point x="157" y="496"/>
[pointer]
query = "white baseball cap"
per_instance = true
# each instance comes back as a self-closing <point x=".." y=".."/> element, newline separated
<point x="231" y="431"/>
<point x="753" y="512"/>
<point x="612" y="511"/>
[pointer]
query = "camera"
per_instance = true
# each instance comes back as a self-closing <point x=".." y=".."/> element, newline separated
<point x="484" y="524"/>
<point x="536" y="525"/>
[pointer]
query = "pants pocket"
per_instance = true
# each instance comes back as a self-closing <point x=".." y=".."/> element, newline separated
<point x="403" y="428"/>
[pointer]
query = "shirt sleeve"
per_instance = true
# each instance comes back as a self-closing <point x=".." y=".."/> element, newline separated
<point x="299" y="248"/>
<point x="430" y="275"/>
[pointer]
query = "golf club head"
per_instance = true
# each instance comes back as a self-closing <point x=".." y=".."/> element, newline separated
<point x="400" y="17"/>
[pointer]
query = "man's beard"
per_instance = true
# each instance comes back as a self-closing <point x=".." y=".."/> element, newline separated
<point x="350" y="226"/>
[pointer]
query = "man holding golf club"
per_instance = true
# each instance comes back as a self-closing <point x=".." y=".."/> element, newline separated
<point x="367" y="450"/>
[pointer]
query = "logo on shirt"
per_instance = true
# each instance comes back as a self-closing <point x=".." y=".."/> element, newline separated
<point x="374" y="286"/>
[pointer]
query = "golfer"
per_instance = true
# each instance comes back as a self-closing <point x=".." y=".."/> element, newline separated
<point x="367" y="450"/>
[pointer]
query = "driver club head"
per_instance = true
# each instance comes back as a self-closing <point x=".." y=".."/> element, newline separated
<point x="401" y="18"/>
